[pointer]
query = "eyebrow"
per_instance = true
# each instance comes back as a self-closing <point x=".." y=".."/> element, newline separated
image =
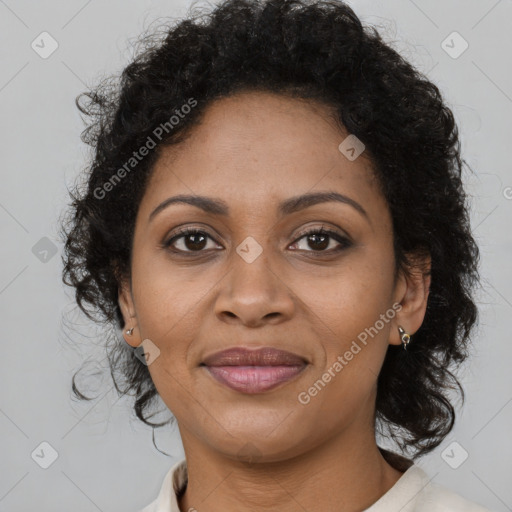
<point x="291" y="205"/>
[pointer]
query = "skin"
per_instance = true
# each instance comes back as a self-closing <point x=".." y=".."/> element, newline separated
<point x="254" y="150"/>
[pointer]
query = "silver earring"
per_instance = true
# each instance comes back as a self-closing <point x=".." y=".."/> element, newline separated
<point x="130" y="331"/>
<point x="404" y="337"/>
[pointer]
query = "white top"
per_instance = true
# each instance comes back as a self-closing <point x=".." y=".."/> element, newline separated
<point x="413" y="492"/>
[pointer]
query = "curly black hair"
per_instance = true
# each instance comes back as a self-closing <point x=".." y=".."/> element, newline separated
<point x="314" y="50"/>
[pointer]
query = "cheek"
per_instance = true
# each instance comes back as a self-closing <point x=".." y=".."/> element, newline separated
<point x="165" y="295"/>
<point x="350" y="313"/>
<point x="350" y="298"/>
<point x="168" y="310"/>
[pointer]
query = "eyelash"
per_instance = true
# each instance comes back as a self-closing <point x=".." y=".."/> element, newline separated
<point x="343" y="241"/>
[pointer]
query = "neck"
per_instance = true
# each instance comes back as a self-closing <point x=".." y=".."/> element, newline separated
<point x="347" y="472"/>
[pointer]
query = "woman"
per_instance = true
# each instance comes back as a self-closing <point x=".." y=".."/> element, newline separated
<point x="275" y="218"/>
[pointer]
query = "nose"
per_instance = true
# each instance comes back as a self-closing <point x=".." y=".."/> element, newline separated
<point x="253" y="294"/>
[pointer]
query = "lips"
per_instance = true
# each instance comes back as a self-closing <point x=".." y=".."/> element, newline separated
<point x="265" y="356"/>
<point x="254" y="371"/>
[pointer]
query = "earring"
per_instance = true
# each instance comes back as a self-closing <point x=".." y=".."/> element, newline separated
<point x="404" y="337"/>
<point x="130" y="331"/>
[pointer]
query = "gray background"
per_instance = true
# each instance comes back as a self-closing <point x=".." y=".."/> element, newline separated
<point x="106" y="460"/>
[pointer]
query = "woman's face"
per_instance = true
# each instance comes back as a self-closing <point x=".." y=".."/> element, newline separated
<point x="252" y="279"/>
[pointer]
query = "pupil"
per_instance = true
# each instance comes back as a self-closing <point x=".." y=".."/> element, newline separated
<point x="195" y="245"/>
<point x="323" y="245"/>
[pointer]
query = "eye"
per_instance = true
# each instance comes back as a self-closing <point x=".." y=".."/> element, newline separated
<point x="193" y="240"/>
<point x="321" y="239"/>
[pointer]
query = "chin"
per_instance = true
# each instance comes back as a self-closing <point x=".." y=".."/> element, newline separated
<point x="257" y="451"/>
<point x="268" y="437"/>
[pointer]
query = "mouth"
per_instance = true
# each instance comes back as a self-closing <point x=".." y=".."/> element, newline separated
<point x="254" y="371"/>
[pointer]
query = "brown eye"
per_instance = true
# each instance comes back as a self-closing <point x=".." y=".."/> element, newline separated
<point x="192" y="240"/>
<point x="319" y="240"/>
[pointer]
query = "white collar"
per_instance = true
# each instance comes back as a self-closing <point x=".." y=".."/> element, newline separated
<point x="412" y="492"/>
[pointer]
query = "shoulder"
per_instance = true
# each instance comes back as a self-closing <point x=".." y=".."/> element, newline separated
<point x="150" y="508"/>
<point x="438" y="498"/>
<point x="173" y="484"/>
<point x="414" y="491"/>
<point x="434" y="497"/>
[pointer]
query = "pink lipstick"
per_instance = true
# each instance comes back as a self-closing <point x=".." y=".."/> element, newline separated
<point x="254" y="371"/>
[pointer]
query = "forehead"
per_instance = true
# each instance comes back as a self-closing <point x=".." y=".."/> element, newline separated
<point x="255" y="147"/>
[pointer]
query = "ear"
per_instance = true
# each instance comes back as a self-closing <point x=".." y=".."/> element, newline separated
<point x="125" y="300"/>
<point x="411" y="292"/>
